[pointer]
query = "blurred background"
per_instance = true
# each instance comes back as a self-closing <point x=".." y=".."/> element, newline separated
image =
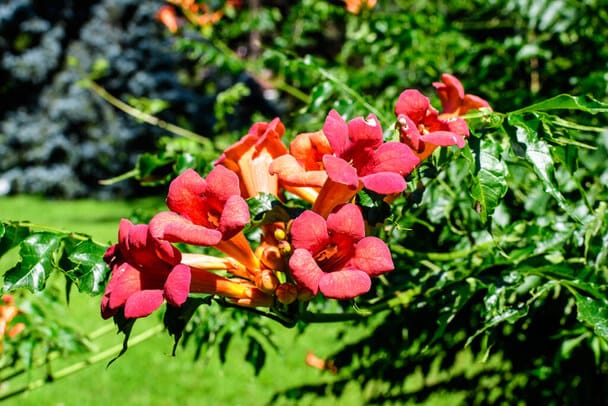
<point x="59" y="138"/>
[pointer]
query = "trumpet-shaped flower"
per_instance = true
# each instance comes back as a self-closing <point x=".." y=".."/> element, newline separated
<point x="301" y="172"/>
<point x="333" y="256"/>
<point x="453" y="99"/>
<point x="361" y="159"/>
<point x="422" y="129"/>
<point x="203" y="211"/>
<point x="145" y="272"/>
<point x="251" y="156"/>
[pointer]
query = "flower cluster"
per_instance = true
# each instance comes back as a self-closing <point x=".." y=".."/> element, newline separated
<point x="322" y="248"/>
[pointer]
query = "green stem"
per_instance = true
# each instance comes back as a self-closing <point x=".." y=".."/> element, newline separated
<point x="352" y="93"/>
<point x="140" y="115"/>
<point x="248" y="64"/>
<point x="42" y="227"/>
<point x="69" y="370"/>
<point x="127" y="175"/>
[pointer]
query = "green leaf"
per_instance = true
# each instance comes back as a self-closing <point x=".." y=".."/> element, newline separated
<point x="153" y="169"/>
<point x="526" y="142"/>
<point x="489" y="175"/>
<point x="266" y="208"/>
<point x="508" y="314"/>
<point x="566" y="102"/>
<point x="12" y="234"/>
<point x="90" y="271"/>
<point x="457" y="296"/>
<point x="38" y="256"/>
<point x="593" y="311"/>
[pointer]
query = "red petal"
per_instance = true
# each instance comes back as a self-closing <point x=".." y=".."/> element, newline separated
<point x="309" y="231"/>
<point x="365" y="133"/>
<point x="444" y="139"/>
<point x="344" y="284"/>
<point x="165" y="251"/>
<point x="234" y="217"/>
<point x="305" y="270"/>
<point x="392" y="157"/>
<point x="373" y="256"/>
<point x="177" y="286"/>
<point x="221" y="184"/>
<point x="458" y="126"/>
<point x="451" y="94"/>
<point x="347" y="222"/>
<point x="186" y="196"/>
<point x="143" y="303"/>
<point x="413" y="104"/>
<point x="124" y="282"/>
<point x="384" y="183"/>
<point x="172" y="227"/>
<point x="336" y="131"/>
<point x="340" y="171"/>
<point x="408" y="132"/>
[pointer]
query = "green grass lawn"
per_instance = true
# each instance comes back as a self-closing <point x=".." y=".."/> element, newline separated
<point x="147" y="374"/>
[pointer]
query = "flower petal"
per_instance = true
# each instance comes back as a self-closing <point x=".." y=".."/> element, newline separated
<point x="384" y="183"/>
<point x="186" y="196"/>
<point x="392" y="157"/>
<point x="291" y="173"/>
<point x="143" y="303"/>
<point x="124" y="282"/>
<point x="234" y="217"/>
<point x="221" y="184"/>
<point x="472" y="102"/>
<point x="373" y="256"/>
<point x="172" y="227"/>
<point x="444" y="139"/>
<point x="308" y="149"/>
<point x="177" y="285"/>
<point x="450" y="92"/>
<point x="413" y="104"/>
<point x="458" y="126"/>
<point x="345" y="284"/>
<point x="346" y="222"/>
<point x="365" y="133"/>
<point x="305" y="270"/>
<point x="340" y="171"/>
<point x="309" y="231"/>
<point x="336" y="131"/>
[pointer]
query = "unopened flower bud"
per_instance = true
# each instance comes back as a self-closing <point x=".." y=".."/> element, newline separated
<point x="267" y="281"/>
<point x="287" y="293"/>
<point x="284" y="248"/>
<point x="279" y="234"/>
<point x="304" y="294"/>
<point x="270" y="257"/>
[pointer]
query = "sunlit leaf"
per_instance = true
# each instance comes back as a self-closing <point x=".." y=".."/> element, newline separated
<point x="489" y="175"/>
<point x="537" y="152"/>
<point x="37" y="262"/>
<point x="12" y="234"/>
<point x="90" y="271"/>
<point x="594" y="312"/>
<point x="567" y="102"/>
